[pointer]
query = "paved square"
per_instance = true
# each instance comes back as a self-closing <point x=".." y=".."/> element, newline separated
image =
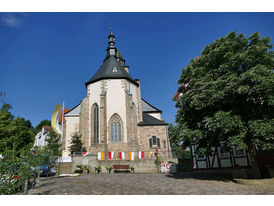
<point x="145" y="184"/>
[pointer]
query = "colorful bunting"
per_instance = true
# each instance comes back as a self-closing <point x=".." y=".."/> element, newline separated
<point x="100" y="156"/>
<point x="149" y="155"/>
<point x="131" y="156"/>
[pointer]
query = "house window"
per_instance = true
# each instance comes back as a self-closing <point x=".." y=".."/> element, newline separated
<point x="114" y="69"/>
<point x="154" y="142"/>
<point x="239" y="153"/>
<point x="96" y="124"/>
<point x="223" y="154"/>
<point x="115" y="129"/>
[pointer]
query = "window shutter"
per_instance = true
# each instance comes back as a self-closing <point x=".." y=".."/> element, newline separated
<point x="158" y="142"/>
<point x="154" y="140"/>
<point x="150" y="142"/>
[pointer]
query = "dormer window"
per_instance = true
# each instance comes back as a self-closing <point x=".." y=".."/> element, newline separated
<point x="114" y="69"/>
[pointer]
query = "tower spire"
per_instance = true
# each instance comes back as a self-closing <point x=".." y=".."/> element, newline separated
<point x="111" y="50"/>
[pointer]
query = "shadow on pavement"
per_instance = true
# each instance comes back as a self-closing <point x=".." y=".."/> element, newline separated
<point x="201" y="176"/>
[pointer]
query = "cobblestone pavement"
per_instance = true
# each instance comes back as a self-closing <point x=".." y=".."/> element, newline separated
<point x="144" y="184"/>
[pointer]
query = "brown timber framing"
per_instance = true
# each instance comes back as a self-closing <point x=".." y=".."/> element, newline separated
<point x="216" y="154"/>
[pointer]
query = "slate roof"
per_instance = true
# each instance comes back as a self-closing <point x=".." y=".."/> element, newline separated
<point x="149" y="120"/>
<point x="105" y="71"/>
<point x="146" y="107"/>
<point x="74" y="111"/>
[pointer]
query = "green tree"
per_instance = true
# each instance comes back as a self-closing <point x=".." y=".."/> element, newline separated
<point x="15" y="133"/>
<point x="44" y="122"/>
<point x="175" y="142"/>
<point x="53" y="150"/>
<point x="229" y="95"/>
<point x="76" y="143"/>
<point x="17" y="162"/>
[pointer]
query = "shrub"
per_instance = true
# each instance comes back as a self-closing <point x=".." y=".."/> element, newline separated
<point x="78" y="169"/>
<point x="109" y="168"/>
<point x="98" y="169"/>
<point x="157" y="163"/>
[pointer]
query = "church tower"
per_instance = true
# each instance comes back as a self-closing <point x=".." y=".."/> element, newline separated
<point x="112" y="108"/>
<point x="113" y="117"/>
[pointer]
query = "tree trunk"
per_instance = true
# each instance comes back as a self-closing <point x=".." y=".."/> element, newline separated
<point x="26" y="186"/>
<point x="255" y="166"/>
<point x="38" y="179"/>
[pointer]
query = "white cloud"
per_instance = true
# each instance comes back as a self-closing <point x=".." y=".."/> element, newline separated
<point x="14" y="20"/>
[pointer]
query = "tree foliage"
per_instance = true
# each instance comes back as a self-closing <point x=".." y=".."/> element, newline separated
<point x="15" y="133"/>
<point x="76" y="143"/>
<point x="53" y="149"/>
<point x="44" y="122"/>
<point x="229" y="95"/>
<point x="176" y="143"/>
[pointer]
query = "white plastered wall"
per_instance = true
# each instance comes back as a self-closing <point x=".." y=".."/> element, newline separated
<point x="94" y="90"/>
<point x="72" y="125"/>
<point x="116" y="103"/>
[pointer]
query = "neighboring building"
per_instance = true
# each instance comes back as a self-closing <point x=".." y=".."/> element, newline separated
<point x="113" y="118"/>
<point x="41" y="137"/>
<point x="218" y="159"/>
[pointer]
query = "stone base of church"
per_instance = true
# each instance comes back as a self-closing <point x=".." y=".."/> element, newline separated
<point x="140" y="165"/>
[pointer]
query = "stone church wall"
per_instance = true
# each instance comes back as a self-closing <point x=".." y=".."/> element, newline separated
<point x="94" y="91"/>
<point x="146" y="132"/>
<point x="84" y="121"/>
<point x="141" y="166"/>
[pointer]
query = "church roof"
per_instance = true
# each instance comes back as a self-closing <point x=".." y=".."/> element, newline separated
<point x="146" y="107"/>
<point x="149" y="120"/>
<point x="113" y="65"/>
<point x="108" y="71"/>
<point x="74" y="111"/>
<point x="61" y="114"/>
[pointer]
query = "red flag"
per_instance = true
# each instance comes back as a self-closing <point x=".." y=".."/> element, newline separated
<point x="109" y="155"/>
<point x="120" y="155"/>
<point x="142" y="155"/>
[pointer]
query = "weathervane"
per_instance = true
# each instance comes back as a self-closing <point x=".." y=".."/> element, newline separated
<point x="110" y="25"/>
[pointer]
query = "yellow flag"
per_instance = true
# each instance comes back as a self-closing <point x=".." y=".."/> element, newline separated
<point x="129" y="155"/>
<point x="102" y="155"/>
<point x="54" y="117"/>
<point x="149" y="154"/>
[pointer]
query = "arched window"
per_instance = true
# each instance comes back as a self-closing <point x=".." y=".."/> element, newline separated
<point x="115" y="129"/>
<point x="154" y="142"/>
<point x="95" y="123"/>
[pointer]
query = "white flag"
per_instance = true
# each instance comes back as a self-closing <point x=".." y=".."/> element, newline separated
<point x="123" y="155"/>
<point x="140" y="155"/>
<point x="132" y="156"/>
<point x="99" y="155"/>
<point x="112" y="155"/>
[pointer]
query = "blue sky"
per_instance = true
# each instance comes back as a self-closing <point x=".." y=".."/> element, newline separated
<point x="46" y="58"/>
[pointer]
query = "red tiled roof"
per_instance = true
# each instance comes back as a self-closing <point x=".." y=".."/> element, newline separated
<point x="48" y="128"/>
<point x="60" y="117"/>
<point x="179" y="91"/>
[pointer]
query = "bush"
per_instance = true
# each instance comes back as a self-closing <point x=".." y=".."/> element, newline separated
<point x="98" y="169"/>
<point x="132" y="169"/>
<point x="86" y="168"/>
<point x="109" y="168"/>
<point x="78" y="169"/>
<point x="157" y="163"/>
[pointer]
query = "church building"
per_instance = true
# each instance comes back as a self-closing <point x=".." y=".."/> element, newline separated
<point x="113" y="118"/>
